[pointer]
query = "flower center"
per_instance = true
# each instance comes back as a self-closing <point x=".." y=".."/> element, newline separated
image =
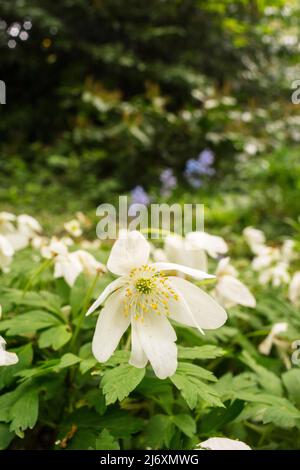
<point x="144" y="286"/>
<point x="148" y="291"/>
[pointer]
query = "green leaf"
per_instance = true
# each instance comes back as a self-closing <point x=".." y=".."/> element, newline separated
<point x="67" y="360"/>
<point x="20" y="407"/>
<point x="105" y="441"/>
<point x="117" y="383"/>
<point x="159" y="431"/>
<point x="274" y="409"/>
<point x="291" y="380"/>
<point x="267" y="379"/>
<point x="7" y="374"/>
<point x="189" y="380"/>
<point x="24" y="412"/>
<point x="29" y="322"/>
<point x="55" y="337"/>
<point x="185" y="423"/>
<point x="42" y="300"/>
<point x="6" y="436"/>
<point x="200" y="352"/>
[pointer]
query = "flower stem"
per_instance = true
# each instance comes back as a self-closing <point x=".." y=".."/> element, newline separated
<point x="81" y="316"/>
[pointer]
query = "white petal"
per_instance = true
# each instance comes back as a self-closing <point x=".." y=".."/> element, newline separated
<point x="8" y="358"/>
<point x="294" y="288"/>
<point x="157" y="338"/>
<point x="222" y="443"/>
<point x="208" y="314"/>
<point x="195" y="273"/>
<point x="234" y="290"/>
<point x="113" y="286"/>
<point x="212" y="244"/>
<point x="5" y="247"/>
<point x="138" y="357"/>
<point x="130" y="251"/>
<point x="111" y="325"/>
<point x="18" y="240"/>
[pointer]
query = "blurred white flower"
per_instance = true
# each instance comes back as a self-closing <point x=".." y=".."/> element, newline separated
<point x="90" y="265"/>
<point x="266" y="345"/>
<point x="66" y="264"/>
<point x="6" y="223"/>
<point x="27" y="229"/>
<point x="288" y="253"/>
<point x="145" y="297"/>
<point x="6" y="358"/>
<point x="182" y="251"/>
<point x="91" y="245"/>
<point x="38" y="242"/>
<point x="276" y="275"/>
<point x="222" y="443"/>
<point x="266" y="256"/>
<point x="294" y="288"/>
<point x="28" y="225"/>
<point x="255" y="238"/>
<point x="229" y="290"/>
<point x="211" y="244"/>
<point x="73" y="227"/>
<point x="68" y="241"/>
<point x="6" y="253"/>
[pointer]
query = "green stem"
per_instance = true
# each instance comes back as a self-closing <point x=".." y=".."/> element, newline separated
<point x="40" y="269"/>
<point x="81" y="316"/>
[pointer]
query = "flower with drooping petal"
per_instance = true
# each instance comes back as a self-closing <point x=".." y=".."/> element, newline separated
<point x="294" y="289"/>
<point x="90" y="265"/>
<point x="6" y="253"/>
<point x="212" y="244"/>
<point x="146" y="298"/>
<point x="255" y="238"/>
<point x="66" y="264"/>
<point x="183" y="251"/>
<point x="73" y="227"/>
<point x="222" y="443"/>
<point x="6" y="358"/>
<point x="229" y="290"/>
<point x="266" y="345"/>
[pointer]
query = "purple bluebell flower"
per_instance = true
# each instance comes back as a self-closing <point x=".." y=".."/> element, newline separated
<point x="139" y="196"/>
<point x="168" y="181"/>
<point x="195" y="168"/>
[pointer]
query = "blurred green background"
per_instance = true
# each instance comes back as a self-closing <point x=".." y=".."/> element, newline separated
<point x="106" y="95"/>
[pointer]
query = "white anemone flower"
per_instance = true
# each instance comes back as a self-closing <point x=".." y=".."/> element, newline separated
<point x="183" y="251"/>
<point x="145" y="297"/>
<point x="6" y="358"/>
<point x="6" y="253"/>
<point x="266" y="345"/>
<point x="229" y="290"/>
<point x="276" y="275"/>
<point x="222" y="443"/>
<point x="73" y="227"/>
<point x="255" y="238"/>
<point x="6" y="223"/>
<point x="28" y="225"/>
<point x="66" y="265"/>
<point x="211" y="244"/>
<point x="266" y="256"/>
<point x="294" y="288"/>
<point x="27" y="229"/>
<point x="90" y="265"/>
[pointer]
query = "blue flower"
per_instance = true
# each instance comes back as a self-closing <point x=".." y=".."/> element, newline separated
<point x="168" y="181"/>
<point x="139" y="196"/>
